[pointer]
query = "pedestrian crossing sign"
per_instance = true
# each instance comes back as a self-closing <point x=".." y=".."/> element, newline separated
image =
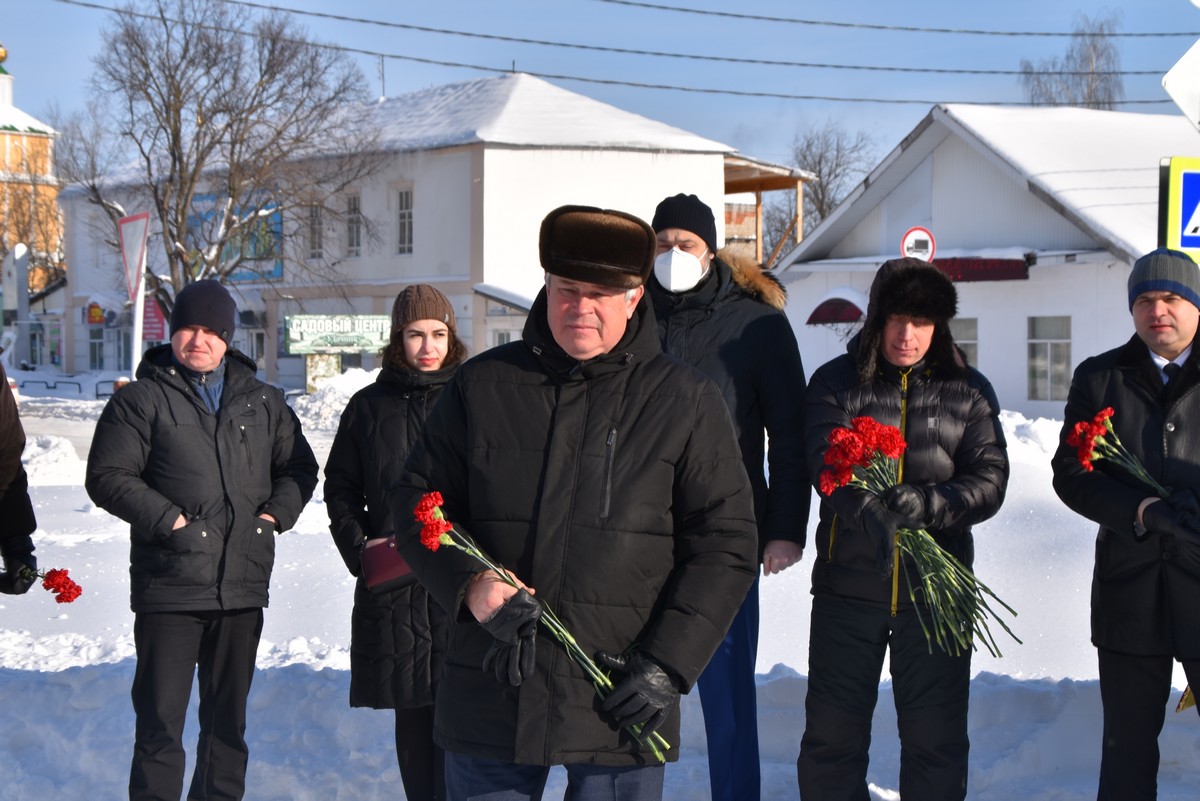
<point x="1179" y="205"/>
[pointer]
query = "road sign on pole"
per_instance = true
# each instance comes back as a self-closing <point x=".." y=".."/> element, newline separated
<point x="918" y="243"/>
<point x="133" y="233"/>
<point x="1179" y="205"/>
<point x="1183" y="84"/>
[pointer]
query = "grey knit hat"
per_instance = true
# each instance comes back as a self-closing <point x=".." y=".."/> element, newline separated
<point x="207" y="303"/>
<point x="688" y="213"/>
<point x="1165" y="270"/>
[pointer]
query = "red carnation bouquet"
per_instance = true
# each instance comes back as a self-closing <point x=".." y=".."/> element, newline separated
<point x="1096" y="439"/>
<point x="56" y="581"/>
<point x="437" y="531"/>
<point x="951" y="604"/>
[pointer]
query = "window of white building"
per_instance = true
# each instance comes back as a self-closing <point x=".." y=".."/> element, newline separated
<point x="965" y="331"/>
<point x="1049" y="358"/>
<point x="316" y="248"/>
<point x="404" y="221"/>
<point x="353" y="226"/>
<point x="96" y="348"/>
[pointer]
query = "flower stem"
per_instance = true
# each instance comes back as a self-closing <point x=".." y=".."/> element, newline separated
<point x="600" y="680"/>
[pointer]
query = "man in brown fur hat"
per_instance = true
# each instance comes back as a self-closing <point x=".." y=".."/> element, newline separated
<point x="606" y="475"/>
<point x="724" y="315"/>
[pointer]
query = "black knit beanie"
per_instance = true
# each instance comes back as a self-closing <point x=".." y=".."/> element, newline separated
<point x="689" y="213"/>
<point x="207" y="303"/>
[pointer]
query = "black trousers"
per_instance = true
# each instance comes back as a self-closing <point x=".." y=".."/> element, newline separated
<point x="847" y="642"/>
<point x="422" y="762"/>
<point x="1134" y="691"/>
<point x="219" y="647"/>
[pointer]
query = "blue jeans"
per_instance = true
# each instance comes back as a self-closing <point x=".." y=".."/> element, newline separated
<point x="471" y="778"/>
<point x="729" y="698"/>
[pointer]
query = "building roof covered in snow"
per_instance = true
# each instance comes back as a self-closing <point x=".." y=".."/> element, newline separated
<point x="1097" y="170"/>
<point x="523" y="111"/>
<point x="11" y="117"/>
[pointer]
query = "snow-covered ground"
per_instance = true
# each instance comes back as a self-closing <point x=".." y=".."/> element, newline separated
<point x="66" y="726"/>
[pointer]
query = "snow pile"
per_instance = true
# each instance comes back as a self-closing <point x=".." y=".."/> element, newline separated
<point x="322" y="410"/>
<point x="1035" y="713"/>
<point x="52" y="458"/>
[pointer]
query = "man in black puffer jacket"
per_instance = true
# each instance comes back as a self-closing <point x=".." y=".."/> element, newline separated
<point x="903" y="370"/>
<point x="724" y="316"/>
<point x="207" y="464"/>
<point x="1146" y="584"/>
<point x="605" y="475"/>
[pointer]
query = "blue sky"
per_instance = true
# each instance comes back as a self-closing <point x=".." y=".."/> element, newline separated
<point x="51" y="45"/>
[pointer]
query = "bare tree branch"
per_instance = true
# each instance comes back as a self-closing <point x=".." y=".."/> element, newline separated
<point x="238" y="124"/>
<point x="1087" y="76"/>
<point x="838" y="158"/>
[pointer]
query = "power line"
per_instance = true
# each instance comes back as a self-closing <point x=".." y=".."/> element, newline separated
<point x="662" y="54"/>
<point x="878" y="27"/>
<point x="601" y="81"/>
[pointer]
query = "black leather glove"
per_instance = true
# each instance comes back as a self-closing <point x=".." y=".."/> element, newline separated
<point x="1160" y="516"/>
<point x="910" y="505"/>
<point x="646" y="694"/>
<point x="514" y="627"/>
<point x="20" y="566"/>
<point x="1184" y="500"/>
<point x="881" y="524"/>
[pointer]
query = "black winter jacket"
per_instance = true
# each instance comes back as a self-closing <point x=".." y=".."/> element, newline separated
<point x="16" y="510"/>
<point x="1145" y="591"/>
<point x="950" y="418"/>
<point x="158" y="452"/>
<point x="397" y="638"/>
<point x="615" y="488"/>
<point x="733" y="329"/>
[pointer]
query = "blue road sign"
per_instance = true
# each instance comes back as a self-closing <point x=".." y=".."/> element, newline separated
<point x="1189" y="206"/>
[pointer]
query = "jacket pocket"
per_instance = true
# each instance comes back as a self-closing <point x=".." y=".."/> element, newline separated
<point x="260" y="552"/>
<point x="251" y="429"/>
<point x="1121" y="558"/>
<point x="610" y="452"/>
<point x="252" y="435"/>
<point x="188" y="557"/>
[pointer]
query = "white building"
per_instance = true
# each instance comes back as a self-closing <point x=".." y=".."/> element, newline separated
<point x="472" y="169"/>
<point x="1038" y="215"/>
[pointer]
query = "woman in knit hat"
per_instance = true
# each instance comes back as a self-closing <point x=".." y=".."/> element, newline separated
<point x="398" y="635"/>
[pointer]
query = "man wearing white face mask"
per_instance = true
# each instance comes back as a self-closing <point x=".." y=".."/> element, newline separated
<point x="724" y="315"/>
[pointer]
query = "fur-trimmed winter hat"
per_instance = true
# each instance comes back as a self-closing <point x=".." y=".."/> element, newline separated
<point x="599" y="246"/>
<point x="689" y="213"/>
<point x="422" y="302"/>
<point x="913" y="288"/>
<point x="1165" y="270"/>
<point x="207" y="303"/>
